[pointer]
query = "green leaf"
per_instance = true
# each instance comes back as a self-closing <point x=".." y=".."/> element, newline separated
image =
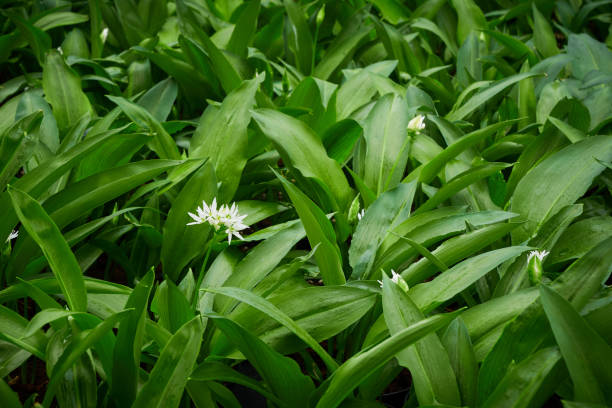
<point x="320" y="234"/>
<point x="244" y="29"/>
<point x="278" y="315"/>
<point x="260" y="261"/>
<point x="543" y="35"/>
<point x="222" y="136"/>
<point x="343" y="47"/>
<point x="557" y="181"/>
<point x="300" y="37"/>
<point x="587" y="55"/>
<point x="432" y="374"/>
<point x="169" y="376"/>
<point x="429" y="171"/>
<point x="390" y="210"/>
<point x="460" y="182"/>
<point x="17" y="145"/>
<point x="282" y="374"/>
<point x="298" y="144"/>
<point x="323" y="311"/>
<point x="130" y="338"/>
<point x="213" y="371"/>
<point x="356" y="369"/>
<point x="429" y="295"/>
<point x="77" y="347"/>
<point x="55" y="248"/>
<point x="530" y="382"/>
<point x="181" y="242"/>
<point x="387" y="143"/>
<point x="469" y="17"/>
<point x="587" y="355"/>
<point x="8" y="396"/>
<point x="63" y="90"/>
<point x="458" y="345"/>
<point x="162" y="143"/>
<point x="480" y="98"/>
<point x="580" y="238"/>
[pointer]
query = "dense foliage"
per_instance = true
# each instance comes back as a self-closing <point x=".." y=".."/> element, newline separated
<point x="305" y="203"/>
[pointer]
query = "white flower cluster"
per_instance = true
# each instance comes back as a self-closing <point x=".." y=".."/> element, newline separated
<point x="225" y="216"/>
<point x="14" y="234"/>
<point x="538" y="254"/>
<point x="417" y="123"/>
<point x="395" y="277"/>
<point x="360" y="214"/>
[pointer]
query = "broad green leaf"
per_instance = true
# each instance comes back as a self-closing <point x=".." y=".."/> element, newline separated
<point x="530" y="382"/>
<point x="260" y="261"/>
<point x="350" y="374"/>
<point x="282" y="374"/>
<point x="172" y="306"/>
<point x="458" y="344"/>
<point x="320" y="234"/>
<point x="543" y="35"/>
<point x="228" y="75"/>
<point x="480" y="98"/>
<point x="169" y="376"/>
<point x="343" y="47"/>
<point x="429" y="171"/>
<point x="8" y="396"/>
<point x="222" y="136"/>
<point x="55" y="248"/>
<point x="430" y="227"/>
<point x="469" y="17"/>
<point x="544" y="190"/>
<point x="515" y="275"/>
<point x="162" y="143"/>
<point x="432" y="374"/>
<point x="459" y="182"/>
<point x="392" y="10"/>
<point x="300" y="38"/>
<point x="588" y="54"/>
<point x="63" y="90"/>
<point x="213" y="371"/>
<point x="181" y="242"/>
<point x="323" y="311"/>
<point x="275" y="313"/>
<point x="387" y="143"/>
<point x="80" y="198"/>
<point x="17" y="145"/>
<point x="127" y="351"/>
<point x="587" y="355"/>
<point x="77" y="347"/>
<point x="244" y="29"/>
<point x="390" y="210"/>
<point x="580" y="237"/>
<point x="158" y="100"/>
<point x="429" y="295"/>
<point x="298" y="144"/>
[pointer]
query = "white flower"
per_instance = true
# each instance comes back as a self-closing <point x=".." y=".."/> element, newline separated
<point x="538" y="254"/>
<point x="395" y="278"/>
<point x="417" y="123"/>
<point x="360" y="214"/>
<point x="224" y="217"/>
<point x="14" y="234"/>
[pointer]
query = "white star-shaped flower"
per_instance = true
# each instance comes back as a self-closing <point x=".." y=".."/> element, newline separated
<point x="538" y="254"/>
<point x="417" y="123"/>
<point x="224" y="217"/>
<point x="14" y="234"/>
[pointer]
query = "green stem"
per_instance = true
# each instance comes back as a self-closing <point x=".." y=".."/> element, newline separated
<point x="196" y="296"/>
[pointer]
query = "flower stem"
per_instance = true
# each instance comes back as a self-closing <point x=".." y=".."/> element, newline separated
<point x="196" y="297"/>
